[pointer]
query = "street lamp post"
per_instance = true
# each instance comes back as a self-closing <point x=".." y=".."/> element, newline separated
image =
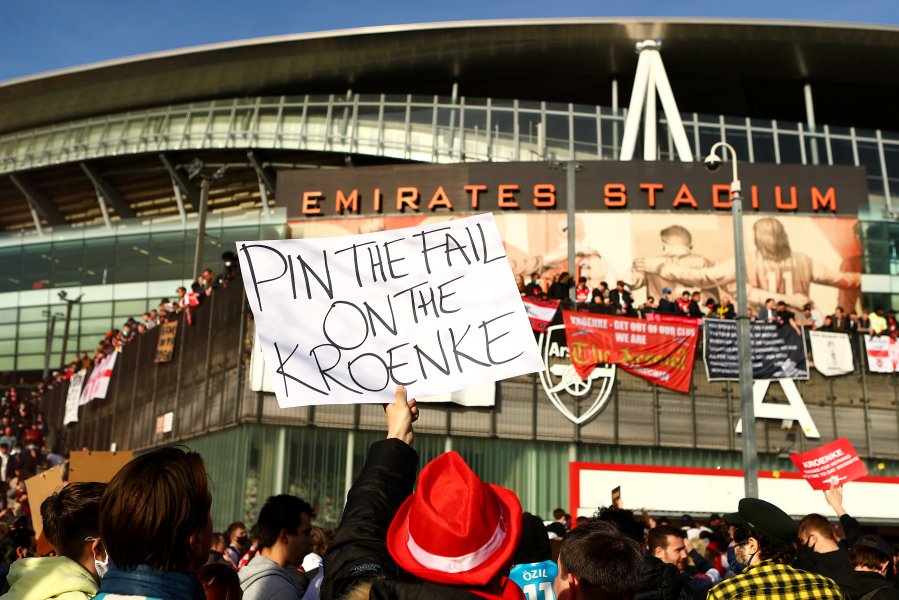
<point x="51" y="327"/>
<point x="744" y="351"/>
<point x="64" y="296"/>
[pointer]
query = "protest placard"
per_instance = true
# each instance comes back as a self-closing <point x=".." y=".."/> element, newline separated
<point x="778" y="351"/>
<point x="659" y="352"/>
<point x="835" y="463"/>
<point x="76" y="382"/>
<point x="832" y="353"/>
<point x="346" y="319"/>
<point x="39" y="488"/>
<point x="96" y="465"/>
<point x="165" y="347"/>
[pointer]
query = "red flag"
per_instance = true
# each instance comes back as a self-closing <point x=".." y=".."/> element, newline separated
<point x="540" y="312"/>
<point x="659" y="352"/>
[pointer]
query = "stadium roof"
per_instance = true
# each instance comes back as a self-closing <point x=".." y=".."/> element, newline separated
<point x="738" y="67"/>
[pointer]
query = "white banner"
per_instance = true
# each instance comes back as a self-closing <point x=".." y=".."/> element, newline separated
<point x="76" y="382"/>
<point x="346" y="319"/>
<point x="831" y="352"/>
<point x="883" y="353"/>
<point x="98" y="383"/>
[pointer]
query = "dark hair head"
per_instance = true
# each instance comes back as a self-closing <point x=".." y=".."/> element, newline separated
<point x="280" y="513"/>
<point x="534" y="545"/>
<point x="624" y="520"/>
<point x="778" y="551"/>
<point x="220" y="582"/>
<point x="865" y="556"/>
<point x="817" y="524"/>
<point x="70" y="515"/>
<point x="232" y="528"/>
<point x="15" y="539"/>
<point x="658" y="536"/>
<point x="602" y="559"/>
<point x="151" y="508"/>
<point x="558" y="513"/>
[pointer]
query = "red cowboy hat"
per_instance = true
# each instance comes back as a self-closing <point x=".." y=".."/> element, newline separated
<point x="455" y="529"/>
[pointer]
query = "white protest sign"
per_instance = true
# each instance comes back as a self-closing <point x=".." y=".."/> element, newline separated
<point x="345" y="320"/>
<point x="76" y="382"/>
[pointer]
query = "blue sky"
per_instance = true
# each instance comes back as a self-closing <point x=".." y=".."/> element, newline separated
<point x="42" y="35"/>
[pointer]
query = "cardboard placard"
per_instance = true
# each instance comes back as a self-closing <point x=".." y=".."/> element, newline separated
<point x="835" y="464"/>
<point x="39" y="488"/>
<point x="96" y="466"/>
<point x="165" y="347"/>
<point x="345" y="320"/>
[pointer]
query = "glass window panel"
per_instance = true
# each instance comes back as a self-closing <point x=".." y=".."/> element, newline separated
<point x="32" y="313"/>
<point x="36" y="266"/>
<point x="841" y="150"/>
<point x="7" y="346"/>
<point x="27" y="346"/>
<point x="891" y="157"/>
<point x="7" y="363"/>
<point x="31" y="362"/>
<point x="557" y="136"/>
<point x="8" y="314"/>
<point x="67" y="270"/>
<point x="869" y="157"/>
<point x="877" y="247"/>
<point x="7" y="331"/>
<point x="10" y="269"/>
<point x="790" y="151"/>
<point x="95" y="309"/>
<point x="763" y="147"/>
<point x="132" y="258"/>
<point x="709" y="135"/>
<point x="585" y="137"/>
<point x="737" y="139"/>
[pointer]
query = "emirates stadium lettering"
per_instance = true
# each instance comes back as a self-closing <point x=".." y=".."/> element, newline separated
<point x="542" y="196"/>
<point x="600" y="186"/>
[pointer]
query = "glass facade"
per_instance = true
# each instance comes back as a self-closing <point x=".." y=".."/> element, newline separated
<point x="120" y="273"/>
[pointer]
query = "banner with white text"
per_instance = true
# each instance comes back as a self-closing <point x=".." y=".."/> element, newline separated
<point x="778" y="351"/>
<point x="660" y="353"/>
<point x="346" y="319"/>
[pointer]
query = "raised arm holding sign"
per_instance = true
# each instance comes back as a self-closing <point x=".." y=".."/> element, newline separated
<point x="347" y="319"/>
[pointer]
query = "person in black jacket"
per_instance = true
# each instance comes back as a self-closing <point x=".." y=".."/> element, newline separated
<point x="392" y="543"/>
<point x="870" y="557"/>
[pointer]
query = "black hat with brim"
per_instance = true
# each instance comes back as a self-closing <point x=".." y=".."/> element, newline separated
<point x="764" y="518"/>
<point x="877" y="543"/>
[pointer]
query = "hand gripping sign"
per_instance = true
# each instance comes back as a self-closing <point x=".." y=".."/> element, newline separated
<point x="835" y="463"/>
<point x="345" y="320"/>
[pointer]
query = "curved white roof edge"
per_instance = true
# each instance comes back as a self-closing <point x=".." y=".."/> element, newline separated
<point x="411" y="27"/>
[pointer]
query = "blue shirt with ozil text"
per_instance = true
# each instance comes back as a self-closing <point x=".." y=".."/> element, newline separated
<point x="536" y="579"/>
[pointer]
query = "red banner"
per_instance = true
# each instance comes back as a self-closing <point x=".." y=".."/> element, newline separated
<point x="540" y="312"/>
<point x="659" y="352"/>
<point x="835" y="463"/>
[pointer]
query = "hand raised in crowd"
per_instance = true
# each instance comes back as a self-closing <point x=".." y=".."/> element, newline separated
<point x="834" y="497"/>
<point x="400" y="416"/>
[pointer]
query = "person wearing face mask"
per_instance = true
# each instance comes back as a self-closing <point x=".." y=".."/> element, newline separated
<point x="534" y="287"/>
<point x="819" y="553"/>
<point x="238" y="542"/>
<point x="763" y="550"/>
<point x="71" y="519"/>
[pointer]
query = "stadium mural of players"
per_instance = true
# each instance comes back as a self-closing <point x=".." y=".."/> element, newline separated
<point x="797" y="259"/>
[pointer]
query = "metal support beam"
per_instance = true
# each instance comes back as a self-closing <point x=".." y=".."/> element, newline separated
<point x="266" y="178"/>
<point x="103" y="210"/>
<point x="180" y="178"/>
<point x="38" y="200"/>
<point x="110" y="193"/>
<point x="179" y="201"/>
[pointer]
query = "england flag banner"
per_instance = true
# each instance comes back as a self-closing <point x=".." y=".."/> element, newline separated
<point x="540" y="312"/>
<point x="76" y="383"/>
<point x="98" y="383"/>
<point x="883" y="353"/>
<point x="832" y="353"/>
<point x="344" y="320"/>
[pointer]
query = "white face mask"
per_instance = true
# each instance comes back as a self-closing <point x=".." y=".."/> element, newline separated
<point x="102" y="566"/>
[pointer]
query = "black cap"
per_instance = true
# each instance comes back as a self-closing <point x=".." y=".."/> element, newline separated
<point x="764" y="518"/>
<point x="877" y="543"/>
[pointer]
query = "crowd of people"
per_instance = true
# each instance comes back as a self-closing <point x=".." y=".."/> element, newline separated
<point x="444" y="534"/>
<point x="620" y="301"/>
<point x="167" y="310"/>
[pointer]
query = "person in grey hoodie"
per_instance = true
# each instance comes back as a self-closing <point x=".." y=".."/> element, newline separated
<point x="285" y="528"/>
